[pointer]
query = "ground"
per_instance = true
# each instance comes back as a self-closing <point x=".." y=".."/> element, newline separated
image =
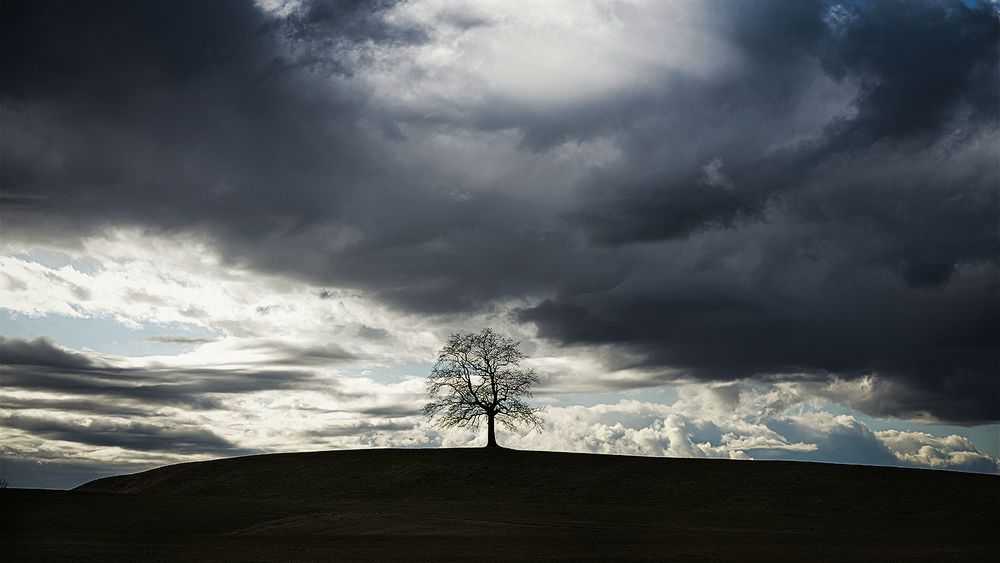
<point x="462" y="504"/>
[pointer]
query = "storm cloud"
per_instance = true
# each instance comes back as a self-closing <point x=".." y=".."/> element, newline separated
<point x="131" y="435"/>
<point x="778" y="191"/>
<point x="41" y="366"/>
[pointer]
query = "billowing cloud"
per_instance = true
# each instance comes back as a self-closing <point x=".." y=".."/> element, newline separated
<point x="949" y="452"/>
<point x="736" y="421"/>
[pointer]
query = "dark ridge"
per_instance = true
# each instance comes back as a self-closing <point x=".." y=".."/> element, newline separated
<point x="468" y="474"/>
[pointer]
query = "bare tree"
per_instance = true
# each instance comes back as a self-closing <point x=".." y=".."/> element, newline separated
<point x="478" y="376"/>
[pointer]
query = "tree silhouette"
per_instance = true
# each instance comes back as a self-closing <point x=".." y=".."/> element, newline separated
<point x="477" y="376"/>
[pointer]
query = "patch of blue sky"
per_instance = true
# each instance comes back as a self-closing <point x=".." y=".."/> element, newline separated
<point x="986" y="437"/>
<point x="55" y="260"/>
<point x="106" y="335"/>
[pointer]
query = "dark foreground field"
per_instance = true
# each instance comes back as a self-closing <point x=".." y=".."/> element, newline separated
<point x="482" y="505"/>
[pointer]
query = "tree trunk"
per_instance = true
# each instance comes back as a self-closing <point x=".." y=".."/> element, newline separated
<point x="491" y="439"/>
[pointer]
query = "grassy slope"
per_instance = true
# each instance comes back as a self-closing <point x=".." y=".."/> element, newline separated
<point x="448" y="504"/>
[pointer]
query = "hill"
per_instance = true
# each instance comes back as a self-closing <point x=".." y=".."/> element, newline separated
<point x="458" y="504"/>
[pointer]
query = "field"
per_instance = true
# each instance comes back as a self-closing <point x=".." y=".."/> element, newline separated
<point x="497" y="505"/>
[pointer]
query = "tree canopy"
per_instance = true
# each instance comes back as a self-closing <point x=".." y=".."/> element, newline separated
<point x="478" y="376"/>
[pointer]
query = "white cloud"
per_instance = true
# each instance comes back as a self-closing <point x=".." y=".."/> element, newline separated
<point x="143" y="279"/>
<point x="949" y="452"/>
<point x="726" y="421"/>
<point x="641" y="428"/>
<point x="542" y="54"/>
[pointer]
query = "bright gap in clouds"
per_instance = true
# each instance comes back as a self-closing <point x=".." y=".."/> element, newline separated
<point x="106" y="335"/>
<point x="158" y="351"/>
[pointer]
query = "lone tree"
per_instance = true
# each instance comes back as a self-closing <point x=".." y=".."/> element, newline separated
<point x="477" y="376"/>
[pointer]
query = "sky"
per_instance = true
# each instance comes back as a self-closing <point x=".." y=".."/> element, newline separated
<point x="736" y="230"/>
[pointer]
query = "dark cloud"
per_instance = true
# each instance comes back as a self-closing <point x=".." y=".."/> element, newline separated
<point x="177" y="339"/>
<point x="871" y="249"/>
<point x="42" y="352"/>
<point x="285" y="353"/>
<point x="360" y="428"/>
<point x="40" y="365"/>
<point x="336" y="25"/>
<point x="372" y="333"/>
<point x="939" y="344"/>
<point x="392" y="411"/>
<point x="92" y="405"/>
<point x="139" y="436"/>
<point x="825" y="207"/>
<point x="203" y="121"/>
<point x="919" y="69"/>
<point x="917" y="65"/>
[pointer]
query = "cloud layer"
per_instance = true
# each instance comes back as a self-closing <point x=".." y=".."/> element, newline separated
<point x="94" y="427"/>
<point x="799" y="195"/>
